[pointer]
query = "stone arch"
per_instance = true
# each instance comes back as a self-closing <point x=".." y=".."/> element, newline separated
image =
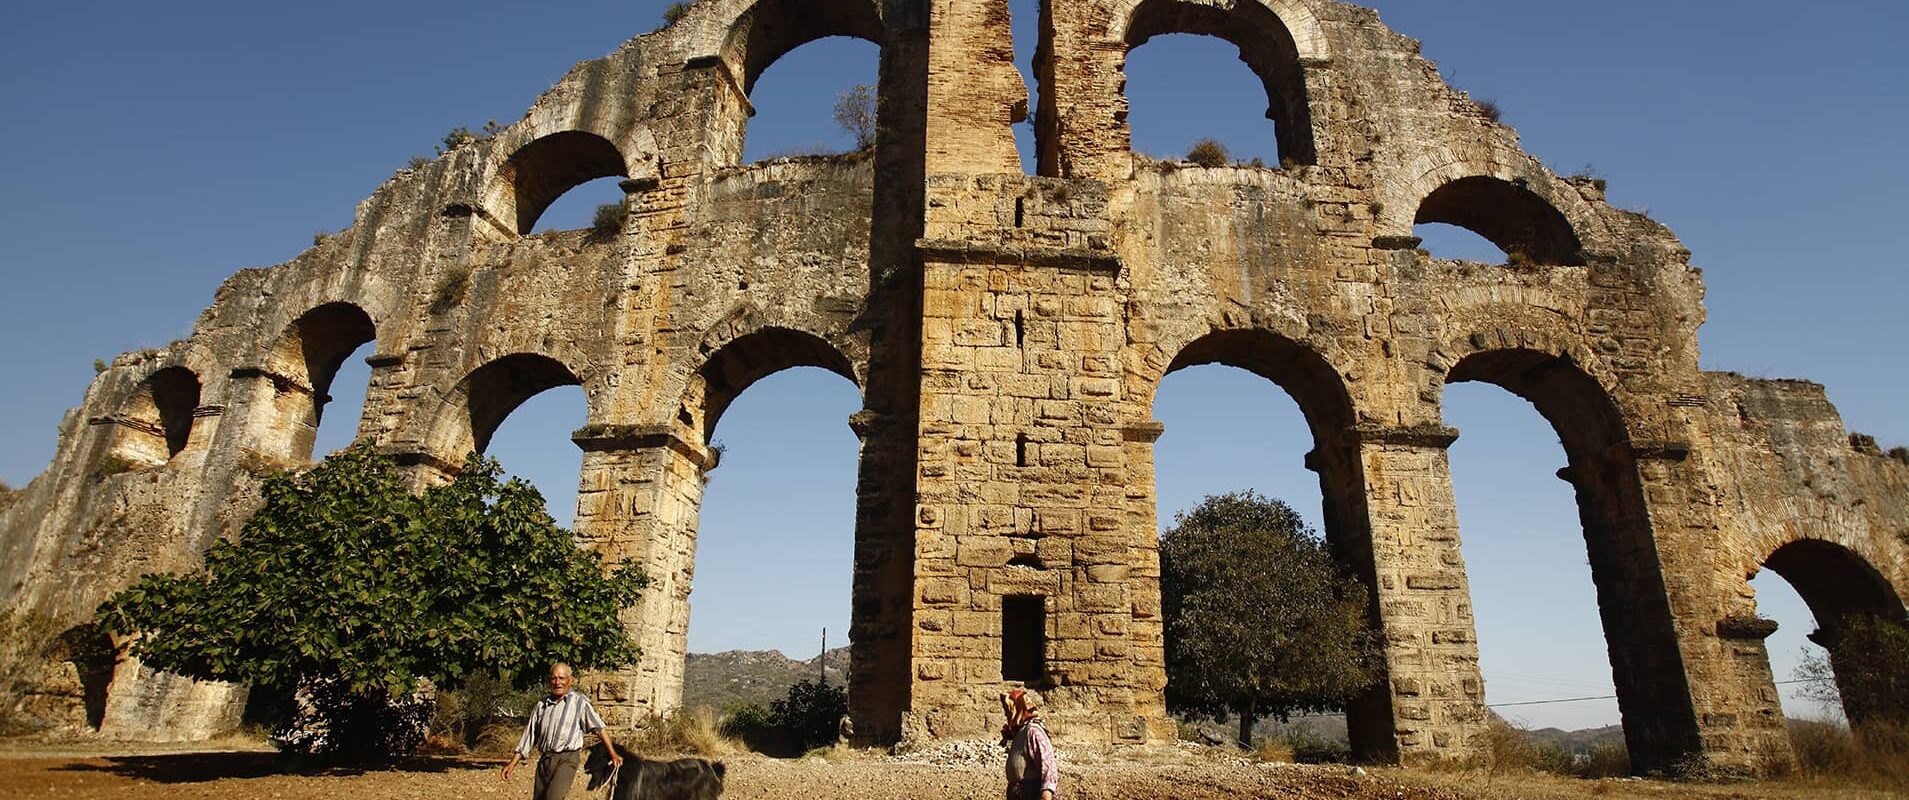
<point x="1603" y="467"/>
<point x="1839" y="584"/>
<point x="1834" y="581"/>
<point x="747" y="36"/>
<point x="737" y="363"/>
<point x="1275" y="39"/>
<point x="155" y="423"/>
<point x="1294" y="366"/>
<point x="1516" y="219"/>
<point x="544" y="168"/>
<point x="1324" y="398"/>
<point x="301" y="364"/>
<point x="1524" y="205"/>
<point x="472" y="410"/>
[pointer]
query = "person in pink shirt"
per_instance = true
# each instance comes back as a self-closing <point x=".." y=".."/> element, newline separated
<point x="1033" y="773"/>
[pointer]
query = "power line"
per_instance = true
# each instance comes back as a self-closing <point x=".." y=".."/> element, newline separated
<point x="1614" y="697"/>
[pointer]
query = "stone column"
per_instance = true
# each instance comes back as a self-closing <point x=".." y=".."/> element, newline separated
<point x="1431" y="705"/>
<point x="1692" y="674"/>
<point x="639" y="496"/>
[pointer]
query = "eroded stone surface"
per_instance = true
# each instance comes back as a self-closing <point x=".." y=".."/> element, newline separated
<point x="1008" y="332"/>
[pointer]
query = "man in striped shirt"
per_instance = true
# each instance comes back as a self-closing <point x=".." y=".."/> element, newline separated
<point x="556" y="727"/>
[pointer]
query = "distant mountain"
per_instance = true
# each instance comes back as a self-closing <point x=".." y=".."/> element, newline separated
<point x="1579" y="742"/>
<point x="735" y="677"/>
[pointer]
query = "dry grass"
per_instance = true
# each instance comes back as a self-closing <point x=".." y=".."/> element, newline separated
<point x="1829" y="753"/>
<point x="1483" y="786"/>
<point x="683" y="732"/>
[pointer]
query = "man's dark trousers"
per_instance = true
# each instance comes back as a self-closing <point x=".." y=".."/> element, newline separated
<point x="555" y="773"/>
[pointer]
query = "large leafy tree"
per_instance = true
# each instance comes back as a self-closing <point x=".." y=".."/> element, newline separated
<point x="1260" y="620"/>
<point x="349" y="586"/>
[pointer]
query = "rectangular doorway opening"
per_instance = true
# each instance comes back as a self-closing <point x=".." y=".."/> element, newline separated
<point x="1024" y="639"/>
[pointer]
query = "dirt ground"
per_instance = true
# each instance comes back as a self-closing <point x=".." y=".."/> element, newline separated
<point x="85" y="772"/>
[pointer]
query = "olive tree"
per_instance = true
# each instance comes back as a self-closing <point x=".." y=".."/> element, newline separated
<point x="1260" y="620"/>
<point x="354" y="590"/>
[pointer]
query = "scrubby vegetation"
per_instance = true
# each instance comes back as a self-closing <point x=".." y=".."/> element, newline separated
<point x="1208" y="153"/>
<point x="609" y="219"/>
<point x="809" y="717"/>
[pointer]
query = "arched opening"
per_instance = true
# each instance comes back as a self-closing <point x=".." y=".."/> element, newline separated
<point x="1225" y="430"/>
<point x="1534" y="605"/>
<point x="494" y="390"/>
<point x="309" y="359"/>
<point x="533" y="442"/>
<point x="576" y="209"/>
<point x="344" y="403"/>
<point x="1632" y="601"/>
<point x="775" y="541"/>
<point x="795" y="102"/>
<point x="1170" y="110"/>
<point x="1793" y="655"/>
<point x="1234" y="426"/>
<point x="750" y="358"/>
<point x="829" y="63"/>
<point x="156" y="423"/>
<point x="1860" y="622"/>
<point x="1261" y="40"/>
<point x="1514" y="219"/>
<point x="546" y="169"/>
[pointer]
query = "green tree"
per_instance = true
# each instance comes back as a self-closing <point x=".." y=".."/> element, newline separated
<point x="1260" y="620"/>
<point x="348" y="586"/>
<point x="855" y="112"/>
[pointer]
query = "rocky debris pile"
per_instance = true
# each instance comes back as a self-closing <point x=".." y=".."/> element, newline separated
<point x="971" y="753"/>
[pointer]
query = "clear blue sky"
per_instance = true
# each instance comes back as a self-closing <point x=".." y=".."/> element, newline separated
<point x="153" y="149"/>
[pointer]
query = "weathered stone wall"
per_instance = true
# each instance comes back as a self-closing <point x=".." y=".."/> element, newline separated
<point x="1008" y="333"/>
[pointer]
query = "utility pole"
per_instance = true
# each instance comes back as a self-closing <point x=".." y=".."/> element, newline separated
<point x="822" y="661"/>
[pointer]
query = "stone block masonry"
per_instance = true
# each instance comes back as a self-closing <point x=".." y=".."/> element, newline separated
<point x="1007" y="333"/>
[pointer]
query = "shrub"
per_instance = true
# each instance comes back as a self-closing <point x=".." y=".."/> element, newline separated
<point x="112" y="464"/>
<point x="1208" y="153"/>
<point x="754" y="726"/>
<point x="1900" y="454"/>
<point x="1491" y="110"/>
<point x="450" y="290"/>
<point x="7" y="495"/>
<point x="609" y="219"/>
<point x="812" y="714"/>
<point x="418" y="162"/>
<point x="99" y="365"/>
<point x="674" y="13"/>
<point x="1310" y="749"/>
<point x="486" y="699"/>
<point x="456" y="138"/>
<point x="855" y="113"/>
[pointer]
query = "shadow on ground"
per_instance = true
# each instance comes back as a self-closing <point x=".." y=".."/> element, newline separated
<point x="202" y="767"/>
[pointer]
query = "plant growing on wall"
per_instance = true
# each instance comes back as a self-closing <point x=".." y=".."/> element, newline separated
<point x="350" y="588"/>
<point x="1260" y="620"/>
<point x="855" y="112"/>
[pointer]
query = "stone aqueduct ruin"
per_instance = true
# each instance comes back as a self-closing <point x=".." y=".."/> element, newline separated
<point x="1007" y="332"/>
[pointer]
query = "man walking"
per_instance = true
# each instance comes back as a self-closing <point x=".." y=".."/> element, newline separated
<point x="556" y="727"/>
